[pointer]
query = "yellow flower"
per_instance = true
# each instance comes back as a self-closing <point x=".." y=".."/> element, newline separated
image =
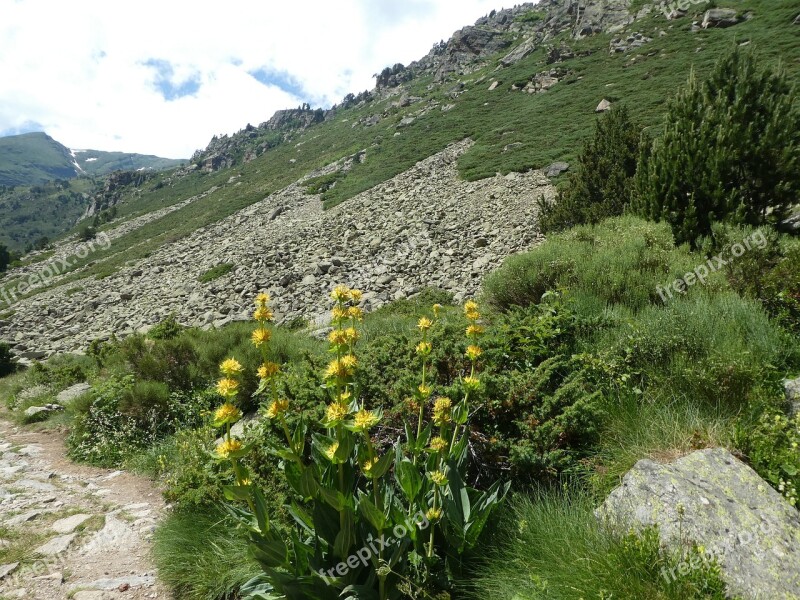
<point x="341" y="293"/>
<point x="438" y="478"/>
<point x="365" y="420"/>
<point x="349" y="361"/>
<point x="433" y="514"/>
<point x="470" y="306"/>
<point x="473" y="352"/>
<point x="227" y="413"/>
<point x="337" y="411"/>
<point x="355" y="313"/>
<point x="277" y="408"/>
<point x="227" y="447"/>
<point x="471" y="383"/>
<point x="474" y="330"/>
<point x="424" y="323"/>
<point x="227" y="388"/>
<point x="424" y="390"/>
<point x="231" y="367"/>
<point x="473" y="315"/>
<point x="261" y="336"/>
<point x="267" y="370"/>
<point x="344" y="397"/>
<point x="337" y="337"/>
<point x="351" y="334"/>
<point x="438" y="444"/>
<point x="339" y="313"/>
<point x="330" y="452"/>
<point x="436" y="309"/>
<point x="262" y="314"/>
<point x="245" y="482"/>
<point x="356" y="295"/>
<point x="441" y="410"/>
<point x="367" y="467"/>
<point x="262" y="299"/>
<point x="424" y="348"/>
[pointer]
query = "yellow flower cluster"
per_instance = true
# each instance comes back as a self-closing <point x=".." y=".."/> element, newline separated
<point x="337" y="412"/>
<point x="227" y="387"/>
<point x="369" y="464"/>
<point x="226" y="448"/>
<point x="341" y="367"/>
<point x="424" y="348"/>
<point x="231" y="367"/>
<point x="438" y="478"/>
<point x="260" y="336"/>
<point x="268" y="370"/>
<point x="438" y="444"/>
<point x="365" y="420"/>
<point x="471" y="310"/>
<point x="277" y="408"/>
<point x="227" y="413"/>
<point x="330" y="452"/>
<point x="442" y="408"/>
<point x="433" y="514"/>
<point x="424" y="324"/>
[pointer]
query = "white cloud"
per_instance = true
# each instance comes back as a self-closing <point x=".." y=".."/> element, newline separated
<point x="80" y="68"/>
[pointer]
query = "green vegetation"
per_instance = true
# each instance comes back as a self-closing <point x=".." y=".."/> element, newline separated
<point x="730" y="152"/>
<point x="215" y="272"/>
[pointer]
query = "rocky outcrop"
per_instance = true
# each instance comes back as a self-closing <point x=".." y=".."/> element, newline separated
<point x="712" y="499"/>
<point x="424" y="227"/>
<point x="720" y="17"/>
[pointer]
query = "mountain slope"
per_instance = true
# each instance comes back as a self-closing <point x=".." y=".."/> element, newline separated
<point x="35" y="158"/>
<point x="522" y="84"/>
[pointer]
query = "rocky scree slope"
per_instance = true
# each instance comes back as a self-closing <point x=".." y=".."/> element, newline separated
<point x="425" y="227"/>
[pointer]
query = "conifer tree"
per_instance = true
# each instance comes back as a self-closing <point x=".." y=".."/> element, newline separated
<point x="730" y="151"/>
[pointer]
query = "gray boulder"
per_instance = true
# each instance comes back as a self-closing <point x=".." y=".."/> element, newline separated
<point x="556" y="169"/>
<point x="68" y="395"/>
<point x="720" y="17"/>
<point x="604" y="106"/>
<point x="709" y="497"/>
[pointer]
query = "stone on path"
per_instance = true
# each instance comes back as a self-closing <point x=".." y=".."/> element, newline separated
<point x="69" y="524"/>
<point x="57" y="545"/>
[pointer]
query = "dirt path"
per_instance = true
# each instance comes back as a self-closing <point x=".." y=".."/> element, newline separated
<point x="71" y="531"/>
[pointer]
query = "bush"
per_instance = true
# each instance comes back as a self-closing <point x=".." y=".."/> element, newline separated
<point x="730" y="151"/>
<point x="167" y="329"/>
<point x="8" y="363"/>
<point x="621" y="261"/>
<point x="215" y="272"/>
<point x="601" y="186"/>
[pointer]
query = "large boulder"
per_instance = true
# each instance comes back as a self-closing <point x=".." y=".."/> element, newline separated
<point x="712" y="499"/>
<point x="792" y="389"/>
<point x="720" y="17"/>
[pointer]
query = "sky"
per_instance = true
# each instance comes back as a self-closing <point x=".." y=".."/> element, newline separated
<point x="164" y="77"/>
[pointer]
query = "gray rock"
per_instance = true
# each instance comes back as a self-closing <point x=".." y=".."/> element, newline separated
<point x="555" y="169"/>
<point x="604" y="106"/>
<point x="274" y="214"/>
<point x="6" y="570"/>
<point x="720" y="17"/>
<point x="68" y="395"/>
<point x="134" y="581"/>
<point x="57" y="545"/>
<point x="709" y="497"/>
<point x="792" y="389"/>
<point x="37" y="411"/>
<point x="69" y="524"/>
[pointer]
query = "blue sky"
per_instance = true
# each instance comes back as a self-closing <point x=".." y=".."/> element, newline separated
<point x="164" y="77"/>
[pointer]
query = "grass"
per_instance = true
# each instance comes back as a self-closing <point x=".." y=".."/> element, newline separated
<point x="553" y="548"/>
<point x="215" y="272"/>
<point x="201" y="557"/>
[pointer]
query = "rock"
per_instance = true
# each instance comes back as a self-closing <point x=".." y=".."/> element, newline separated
<point x="132" y="581"/>
<point x="494" y="85"/>
<point x="39" y="412"/>
<point x="604" y="106"/>
<point x="709" y="497"/>
<point x="57" y="545"/>
<point x="275" y="212"/>
<point x="6" y="570"/>
<point x="23" y="518"/>
<point x="406" y="121"/>
<point x="93" y="595"/>
<point x="792" y="389"/>
<point x="719" y="17"/>
<point x="69" y="524"/>
<point x="518" y="53"/>
<point x="68" y="395"/>
<point x="797" y="20"/>
<point x="555" y="169"/>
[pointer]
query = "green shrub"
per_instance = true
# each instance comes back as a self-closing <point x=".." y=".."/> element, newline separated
<point x="730" y="151"/>
<point x="602" y="184"/>
<point x="771" y="446"/>
<point x="8" y="363"/>
<point x="167" y="329"/>
<point x="621" y="261"/>
<point x="215" y="272"/>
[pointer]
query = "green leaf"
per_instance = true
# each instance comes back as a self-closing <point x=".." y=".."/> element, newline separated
<point x="346" y="536"/>
<point x="383" y="464"/>
<point x="461" y="412"/>
<point x="270" y="553"/>
<point x="237" y="492"/>
<point x="371" y="512"/>
<point x="334" y="498"/>
<point x="262" y="514"/>
<point x="408" y="478"/>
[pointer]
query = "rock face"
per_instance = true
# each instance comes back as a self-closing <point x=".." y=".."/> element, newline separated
<point x="711" y="498"/>
<point x="418" y="229"/>
<point x="792" y="389"/>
